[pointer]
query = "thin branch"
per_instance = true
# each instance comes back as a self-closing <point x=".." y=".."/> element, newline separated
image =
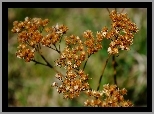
<point x="103" y="72"/>
<point x="122" y="10"/>
<point x="86" y="62"/>
<point x="60" y="42"/>
<point x="108" y="10"/>
<point x="114" y="63"/>
<point x="36" y="62"/>
<point x="39" y="45"/>
<point x="46" y="61"/>
<point x="56" y="48"/>
<point x="52" y="48"/>
<point x="48" y="64"/>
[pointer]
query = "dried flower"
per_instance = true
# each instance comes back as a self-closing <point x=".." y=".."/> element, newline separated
<point x="121" y="33"/>
<point x="30" y="34"/>
<point x="76" y="52"/>
<point x="110" y="96"/>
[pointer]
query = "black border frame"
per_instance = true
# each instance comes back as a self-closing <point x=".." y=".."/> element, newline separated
<point x="6" y="5"/>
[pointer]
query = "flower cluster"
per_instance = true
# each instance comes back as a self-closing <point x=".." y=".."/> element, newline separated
<point x="72" y="84"/>
<point x="29" y="25"/>
<point x="54" y="35"/>
<point x="74" y="56"/>
<point x="93" y="44"/>
<point x="30" y="36"/>
<point x="110" y="96"/>
<point x="71" y="58"/>
<point x="25" y="53"/>
<point x="121" y="33"/>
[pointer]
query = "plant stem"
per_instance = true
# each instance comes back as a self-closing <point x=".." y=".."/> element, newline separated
<point x="108" y="10"/>
<point x="36" y="62"/>
<point x="56" y="48"/>
<point x="122" y="10"/>
<point x="114" y="63"/>
<point x="47" y="64"/>
<point x="103" y="72"/>
<point x="60" y="42"/>
<point x="86" y="62"/>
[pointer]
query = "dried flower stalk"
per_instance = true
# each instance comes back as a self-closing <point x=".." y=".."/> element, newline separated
<point x="76" y="54"/>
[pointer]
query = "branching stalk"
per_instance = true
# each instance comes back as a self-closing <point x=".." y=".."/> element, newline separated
<point x="103" y="72"/>
<point x="37" y="62"/>
<point x="47" y="63"/>
<point x="56" y="49"/>
<point x="122" y="10"/>
<point x="108" y="10"/>
<point x="86" y="62"/>
<point x="60" y="42"/>
<point x="114" y="63"/>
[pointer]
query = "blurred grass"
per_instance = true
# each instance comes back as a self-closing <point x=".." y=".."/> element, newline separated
<point x="29" y="84"/>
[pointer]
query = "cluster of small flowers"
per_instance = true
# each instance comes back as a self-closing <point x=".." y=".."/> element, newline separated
<point x="73" y="54"/>
<point x="110" y="96"/>
<point x="121" y="33"/>
<point x="71" y="58"/>
<point x="30" y="36"/>
<point x="25" y="53"/>
<point x="76" y="52"/>
<point x="72" y="84"/>
<point x="93" y="45"/>
<point x="54" y="35"/>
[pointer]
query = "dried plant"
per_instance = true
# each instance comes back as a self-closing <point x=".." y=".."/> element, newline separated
<point x="74" y="57"/>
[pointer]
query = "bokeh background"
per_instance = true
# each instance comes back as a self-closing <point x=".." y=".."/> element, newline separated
<point x="30" y="84"/>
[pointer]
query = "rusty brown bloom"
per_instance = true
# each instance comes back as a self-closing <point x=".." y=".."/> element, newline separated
<point x="121" y="33"/>
<point x="110" y="96"/>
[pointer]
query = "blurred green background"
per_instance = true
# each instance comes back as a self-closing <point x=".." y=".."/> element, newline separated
<point x="30" y="84"/>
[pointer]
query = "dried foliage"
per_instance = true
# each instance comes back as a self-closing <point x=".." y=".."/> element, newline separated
<point x="74" y="56"/>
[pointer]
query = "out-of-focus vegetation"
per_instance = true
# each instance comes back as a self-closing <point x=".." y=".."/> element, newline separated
<point x="30" y="84"/>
